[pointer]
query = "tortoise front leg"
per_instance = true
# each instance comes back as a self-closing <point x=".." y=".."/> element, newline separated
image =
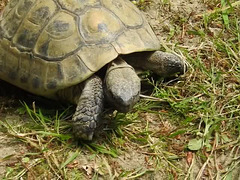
<point x="89" y="99"/>
<point x="89" y="109"/>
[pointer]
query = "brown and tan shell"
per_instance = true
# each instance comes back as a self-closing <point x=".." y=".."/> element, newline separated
<point x="48" y="45"/>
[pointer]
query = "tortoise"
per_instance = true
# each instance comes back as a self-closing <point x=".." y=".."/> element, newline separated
<point x="55" y="49"/>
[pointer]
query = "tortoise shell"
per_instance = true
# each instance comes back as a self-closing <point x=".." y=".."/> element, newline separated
<point x="48" y="45"/>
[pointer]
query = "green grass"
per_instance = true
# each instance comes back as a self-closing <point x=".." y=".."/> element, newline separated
<point x="189" y="130"/>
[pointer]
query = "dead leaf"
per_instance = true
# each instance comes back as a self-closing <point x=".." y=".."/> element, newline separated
<point x="189" y="157"/>
<point x="73" y="165"/>
<point x="88" y="169"/>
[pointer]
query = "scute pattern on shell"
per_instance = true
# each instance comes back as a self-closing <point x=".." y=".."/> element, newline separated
<point x="47" y="45"/>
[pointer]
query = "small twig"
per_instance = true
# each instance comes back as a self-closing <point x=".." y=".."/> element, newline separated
<point x="34" y="107"/>
<point x="152" y="98"/>
<point x="190" y="168"/>
<point x="34" y="163"/>
<point x="228" y="144"/>
<point x="28" y="169"/>
<point x="216" y="165"/>
<point x="206" y="162"/>
<point x="163" y="156"/>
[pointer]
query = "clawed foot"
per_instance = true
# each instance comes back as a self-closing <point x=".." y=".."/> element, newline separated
<point x="84" y="126"/>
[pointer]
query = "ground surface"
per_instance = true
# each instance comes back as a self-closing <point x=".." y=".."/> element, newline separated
<point x="189" y="130"/>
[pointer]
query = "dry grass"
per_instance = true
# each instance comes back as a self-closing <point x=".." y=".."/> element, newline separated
<point x="189" y="130"/>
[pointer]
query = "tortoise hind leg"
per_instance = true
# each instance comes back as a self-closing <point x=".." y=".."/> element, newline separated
<point x="161" y="63"/>
<point x="89" y="99"/>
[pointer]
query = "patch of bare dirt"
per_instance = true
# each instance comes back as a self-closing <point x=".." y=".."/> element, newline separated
<point x="165" y="19"/>
<point x="10" y="152"/>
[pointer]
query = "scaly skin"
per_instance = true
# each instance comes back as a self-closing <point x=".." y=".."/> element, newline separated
<point x="121" y="88"/>
<point x="89" y="109"/>
<point x="121" y="85"/>
<point x="161" y="63"/>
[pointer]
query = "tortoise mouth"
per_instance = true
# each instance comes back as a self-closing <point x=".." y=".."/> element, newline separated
<point x="123" y="101"/>
<point x="125" y="105"/>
